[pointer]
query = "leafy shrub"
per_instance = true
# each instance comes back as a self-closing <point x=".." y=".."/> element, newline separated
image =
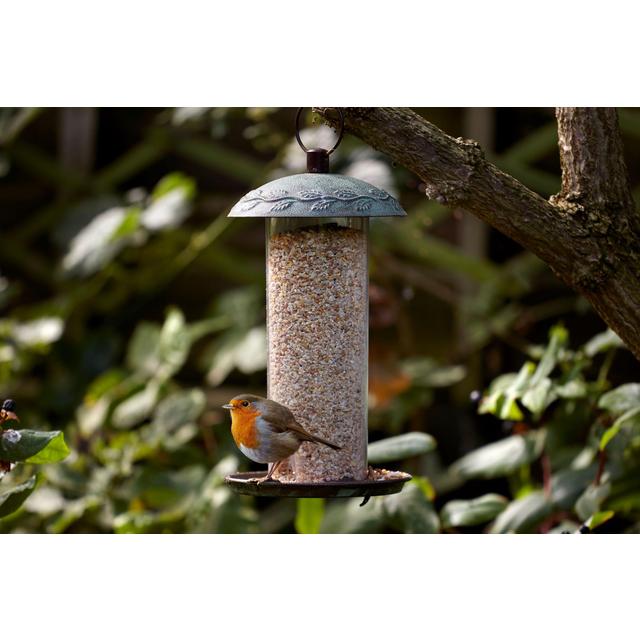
<point x="107" y="277"/>
<point x="18" y="446"/>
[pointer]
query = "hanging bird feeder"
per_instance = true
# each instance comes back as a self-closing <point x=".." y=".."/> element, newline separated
<point x="317" y="321"/>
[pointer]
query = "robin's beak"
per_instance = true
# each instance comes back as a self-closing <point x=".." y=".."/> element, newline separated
<point x="227" y="406"/>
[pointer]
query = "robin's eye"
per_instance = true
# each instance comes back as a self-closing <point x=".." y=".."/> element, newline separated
<point x="245" y="403"/>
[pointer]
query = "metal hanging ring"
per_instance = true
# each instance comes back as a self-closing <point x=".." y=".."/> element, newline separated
<point x="340" y="133"/>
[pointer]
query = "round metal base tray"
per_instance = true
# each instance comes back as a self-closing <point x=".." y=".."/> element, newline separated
<point x="245" y="483"/>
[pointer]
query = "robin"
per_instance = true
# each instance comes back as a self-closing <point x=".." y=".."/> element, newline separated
<point x="266" y="431"/>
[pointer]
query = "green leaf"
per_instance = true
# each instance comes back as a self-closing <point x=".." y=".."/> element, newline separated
<point x="143" y="354"/>
<point x="400" y="447"/>
<point x="427" y="372"/>
<point x="244" y="306"/>
<point x="609" y="435"/>
<point x="202" y="328"/>
<point x="37" y="447"/>
<point x="171" y="203"/>
<point x="591" y="500"/>
<point x="149" y="522"/>
<point x="136" y="408"/>
<point x="162" y="489"/>
<point x="129" y="224"/>
<point x="73" y="511"/>
<point x="568" y="484"/>
<point x="572" y="389"/>
<point x="468" y="513"/>
<point x="502" y="383"/>
<point x="602" y="342"/>
<point x="92" y="416"/>
<point x="347" y="516"/>
<point x="172" y="182"/>
<point x="244" y="350"/>
<point x="160" y="352"/>
<point x="613" y="430"/>
<point x="174" y="344"/>
<point x="426" y="487"/>
<point x="523" y="514"/>
<point x="410" y="511"/>
<point x="500" y="458"/>
<point x="38" y="333"/>
<point x="309" y="514"/>
<point x="55" y="451"/>
<point x="178" y="409"/>
<point x="532" y="385"/>
<point x="103" y="384"/>
<point x="622" y="399"/>
<point x="179" y="438"/>
<point x="539" y="396"/>
<point x="46" y="501"/>
<point x="216" y="509"/>
<point x="599" y="518"/>
<point x="558" y="338"/>
<point x="503" y="393"/>
<point x="12" y="499"/>
<point x="95" y="246"/>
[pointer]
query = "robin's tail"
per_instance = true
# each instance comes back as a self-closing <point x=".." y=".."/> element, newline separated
<point x="313" y="438"/>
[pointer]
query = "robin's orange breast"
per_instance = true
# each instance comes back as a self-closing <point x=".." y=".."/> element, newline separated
<point x="243" y="427"/>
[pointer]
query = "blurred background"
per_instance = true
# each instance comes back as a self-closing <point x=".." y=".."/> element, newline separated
<point x="131" y="308"/>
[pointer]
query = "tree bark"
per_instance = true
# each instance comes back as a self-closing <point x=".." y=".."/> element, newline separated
<point x="589" y="234"/>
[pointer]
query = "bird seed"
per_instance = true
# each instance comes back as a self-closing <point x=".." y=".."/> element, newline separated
<point x="317" y="305"/>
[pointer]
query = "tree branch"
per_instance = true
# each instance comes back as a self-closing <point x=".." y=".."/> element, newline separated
<point x="589" y="234"/>
<point x="594" y="174"/>
<point x="595" y="192"/>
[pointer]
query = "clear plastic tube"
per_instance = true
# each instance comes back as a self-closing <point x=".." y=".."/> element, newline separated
<point x="318" y="309"/>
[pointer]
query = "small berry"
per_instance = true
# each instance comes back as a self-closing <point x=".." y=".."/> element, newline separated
<point x="507" y="426"/>
<point x="9" y="405"/>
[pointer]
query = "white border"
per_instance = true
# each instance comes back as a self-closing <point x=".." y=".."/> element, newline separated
<point x="319" y="587"/>
<point x="283" y="52"/>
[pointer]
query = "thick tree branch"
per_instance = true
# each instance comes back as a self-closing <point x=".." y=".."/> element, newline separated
<point x="594" y="175"/>
<point x="595" y="192"/>
<point x="589" y="234"/>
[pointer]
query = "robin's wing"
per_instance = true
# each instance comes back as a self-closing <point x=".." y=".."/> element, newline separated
<point x="281" y="419"/>
<point x="278" y="417"/>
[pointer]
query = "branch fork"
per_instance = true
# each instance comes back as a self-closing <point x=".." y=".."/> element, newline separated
<point x="589" y="233"/>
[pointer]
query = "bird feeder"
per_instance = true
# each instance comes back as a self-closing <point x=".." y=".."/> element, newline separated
<point x="317" y="323"/>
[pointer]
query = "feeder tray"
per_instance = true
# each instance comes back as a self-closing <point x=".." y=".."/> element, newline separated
<point x="389" y="482"/>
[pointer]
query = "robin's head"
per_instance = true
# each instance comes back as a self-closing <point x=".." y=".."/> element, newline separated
<point x="243" y="404"/>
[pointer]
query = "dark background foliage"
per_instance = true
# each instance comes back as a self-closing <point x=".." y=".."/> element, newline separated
<point x="132" y="308"/>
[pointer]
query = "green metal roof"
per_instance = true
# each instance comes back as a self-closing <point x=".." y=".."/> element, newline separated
<point x="317" y="195"/>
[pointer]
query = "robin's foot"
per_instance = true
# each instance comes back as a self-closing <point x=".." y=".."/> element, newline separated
<point x="259" y="480"/>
